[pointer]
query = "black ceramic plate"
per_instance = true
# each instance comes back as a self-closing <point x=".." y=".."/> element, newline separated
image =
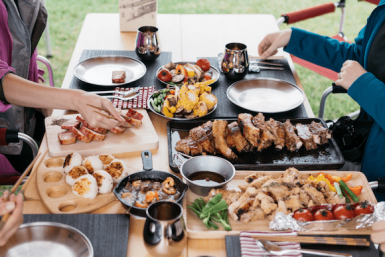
<point x="325" y="157"/>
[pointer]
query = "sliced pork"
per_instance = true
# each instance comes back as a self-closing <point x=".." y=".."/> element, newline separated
<point x="306" y="136"/>
<point x="67" y="138"/>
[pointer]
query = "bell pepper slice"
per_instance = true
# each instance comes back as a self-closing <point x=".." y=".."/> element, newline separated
<point x="321" y="177"/>
<point x="330" y="178"/>
<point x="180" y="69"/>
<point x="345" y="179"/>
<point x="356" y="190"/>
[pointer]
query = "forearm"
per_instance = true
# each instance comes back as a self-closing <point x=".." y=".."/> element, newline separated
<point x="23" y="92"/>
<point x="324" y="51"/>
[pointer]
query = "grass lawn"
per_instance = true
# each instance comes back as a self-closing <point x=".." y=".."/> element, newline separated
<point x="66" y="19"/>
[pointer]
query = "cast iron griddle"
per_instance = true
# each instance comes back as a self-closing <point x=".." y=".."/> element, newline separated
<point x="325" y="157"/>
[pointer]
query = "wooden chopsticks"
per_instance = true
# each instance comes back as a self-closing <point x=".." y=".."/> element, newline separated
<point x="317" y="240"/>
<point x="126" y="124"/>
<point x="14" y="188"/>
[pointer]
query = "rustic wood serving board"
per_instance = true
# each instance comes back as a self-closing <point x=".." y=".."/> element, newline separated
<point x="57" y="195"/>
<point x="196" y="229"/>
<point x="132" y="140"/>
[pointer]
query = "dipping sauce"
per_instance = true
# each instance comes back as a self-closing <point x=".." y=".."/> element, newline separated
<point x="207" y="178"/>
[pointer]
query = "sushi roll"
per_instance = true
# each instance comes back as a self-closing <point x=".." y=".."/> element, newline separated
<point x="75" y="173"/>
<point x="106" y="158"/>
<point x="85" y="186"/>
<point x="104" y="181"/>
<point x="117" y="169"/>
<point x="92" y="163"/>
<point x="72" y="160"/>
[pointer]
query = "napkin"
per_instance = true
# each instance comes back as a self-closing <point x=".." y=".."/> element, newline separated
<point x="249" y="247"/>
<point x="139" y="102"/>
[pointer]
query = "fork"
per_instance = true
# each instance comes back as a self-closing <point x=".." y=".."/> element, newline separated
<point x="124" y="93"/>
<point x="124" y="98"/>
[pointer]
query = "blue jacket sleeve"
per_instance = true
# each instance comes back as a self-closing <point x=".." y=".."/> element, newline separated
<point x="369" y="93"/>
<point x="323" y="51"/>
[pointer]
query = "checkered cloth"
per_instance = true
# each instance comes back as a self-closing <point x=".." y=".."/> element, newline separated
<point x="139" y="102"/>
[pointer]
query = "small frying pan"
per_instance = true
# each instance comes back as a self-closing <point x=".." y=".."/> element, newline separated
<point x="148" y="174"/>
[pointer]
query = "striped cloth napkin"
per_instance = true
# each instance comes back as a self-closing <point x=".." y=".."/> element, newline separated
<point x="139" y="102"/>
<point x="249" y="247"/>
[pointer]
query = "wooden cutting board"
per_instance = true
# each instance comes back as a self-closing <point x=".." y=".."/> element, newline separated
<point x="197" y="230"/>
<point x="57" y="195"/>
<point x="132" y="140"/>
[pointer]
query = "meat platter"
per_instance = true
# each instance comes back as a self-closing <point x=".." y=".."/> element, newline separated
<point x="325" y="157"/>
<point x="196" y="229"/>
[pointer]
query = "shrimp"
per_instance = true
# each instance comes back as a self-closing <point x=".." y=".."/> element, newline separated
<point x="141" y="205"/>
<point x="136" y="183"/>
<point x="169" y="191"/>
<point x="169" y="182"/>
<point x="151" y="195"/>
<point x="124" y="195"/>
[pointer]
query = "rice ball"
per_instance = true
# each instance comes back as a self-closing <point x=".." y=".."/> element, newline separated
<point x="75" y="173"/>
<point x="92" y="163"/>
<point x="85" y="186"/>
<point x="104" y="181"/>
<point x="72" y="160"/>
<point x="117" y="169"/>
<point x="106" y="158"/>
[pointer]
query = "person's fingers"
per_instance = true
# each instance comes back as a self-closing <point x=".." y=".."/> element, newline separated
<point x="338" y="82"/>
<point x="378" y="237"/>
<point x="378" y="226"/>
<point x="12" y="198"/>
<point x="346" y="63"/>
<point x="269" y="52"/>
<point x="7" y="207"/>
<point x="5" y="195"/>
<point x="265" y="43"/>
<point x="108" y="105"/>
<point x="382" y="247"/>
<point x="108" y="123"/>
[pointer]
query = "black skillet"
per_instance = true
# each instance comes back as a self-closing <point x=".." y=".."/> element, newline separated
<point x="148" y="174"/>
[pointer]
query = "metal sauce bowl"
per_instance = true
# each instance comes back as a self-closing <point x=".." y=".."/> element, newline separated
<point x="206" y="163"/>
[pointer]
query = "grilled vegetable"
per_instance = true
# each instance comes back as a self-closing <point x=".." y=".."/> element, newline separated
<point x="164" y="75"/>
<point x="351" y="194"/>
<point x="210" y="100"/>
<point x="338" y="189"/>
<point x="200" y="109"/>
<point x="204" y="64"/>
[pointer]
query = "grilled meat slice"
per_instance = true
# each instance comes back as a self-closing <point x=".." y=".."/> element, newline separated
<point x="208" y="127"/>
<point x="315" y="195"/>
<point x="219" y="132"/>
<point x="250" y="192"/>
<point x="204" y="144"/>
<point x="306" y="136"/>
<point x="230" y="140"/>
<point x="187" y="146"/>
<point x="323" y="133"/>
<point x="67" y="138"/>
<point x="249" y="131"/>
<point x="276" y="188"/>
<point x="293" y="142"/>
<point x="265" y="138"/>
<point x="240" y="142"/>
<point x="244" y="207"/>
<point x="257" y="183"/>
<point x="278" y="130"/>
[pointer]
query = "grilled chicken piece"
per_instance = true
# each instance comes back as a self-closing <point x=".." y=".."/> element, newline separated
<point x="304" y="198"/>
<point x="323" y="133"/>
<point x="250" y="192"/>
<point x="258" y="214"/>
<point x="282" y="207"/>
<point x="265" y="138"/>
<point x="240" y="142"/>
<point x="293" y="142"/>
<point x="332" y="198"/>
<point x="219" y="132"/>
<point x="293" y="177"/>
<point x="316" y="196"/>
<point x="257" y="183"/>
<point x="198" y="134"/>
<point x="249" y="131"/>
<point x="306" y="136"/>
<point x="277" y="189"/>
<point x="244" y="207"/>
<point x="293" y="202"/>
<point x="266" y="202"/>
<point x="278" y="130"/>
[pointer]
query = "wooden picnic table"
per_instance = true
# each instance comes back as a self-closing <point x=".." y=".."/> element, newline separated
<point x="187" y="36"/>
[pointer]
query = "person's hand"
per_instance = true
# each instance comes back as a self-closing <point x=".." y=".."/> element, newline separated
<point x="14" y="205"/>
<point x="378" y="235"/>
<point x="350" y="72"/>
<point x="270" y="44"/>
<point x="83" y="98"/>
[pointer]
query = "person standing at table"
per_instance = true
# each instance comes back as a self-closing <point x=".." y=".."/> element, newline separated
<point x="22" y="23"/>
<point x="361" y="67"/>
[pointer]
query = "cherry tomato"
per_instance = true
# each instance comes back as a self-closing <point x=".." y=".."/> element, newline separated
<point x="204" y="64"/>
<point x="364" y="208"/>
<point x="344" y="212"/>
<point x="323" y="215"/>
<point x="164" y="75"/>
<point x="303" y="215"/>
<point x="207" y="76"/>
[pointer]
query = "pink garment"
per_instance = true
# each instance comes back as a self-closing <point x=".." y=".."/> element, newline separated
<point x="6" y="168"/>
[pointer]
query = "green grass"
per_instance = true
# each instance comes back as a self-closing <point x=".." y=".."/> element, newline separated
<point x="66" y="19"/>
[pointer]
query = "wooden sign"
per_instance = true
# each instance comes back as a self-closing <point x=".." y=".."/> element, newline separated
<point x="137" y="13"/>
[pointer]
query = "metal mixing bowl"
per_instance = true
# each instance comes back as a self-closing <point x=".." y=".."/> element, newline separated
<point x="207" y="163"/>
<point x="47" y="239"/>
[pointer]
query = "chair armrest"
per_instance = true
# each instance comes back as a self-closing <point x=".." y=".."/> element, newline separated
<point x="47" y="63"/>
<point x="308" y="13"/>
<point x="14" y="136"/>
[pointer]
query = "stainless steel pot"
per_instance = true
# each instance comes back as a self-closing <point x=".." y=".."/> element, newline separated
<point x="203" y="163"/>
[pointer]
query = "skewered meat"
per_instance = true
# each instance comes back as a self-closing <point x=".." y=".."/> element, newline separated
<point x="278" y="131"/>
<point x="293" y="142"/>
<point x="239" y="141"/>
<point x="198" y="134"/>
<point x="66" y="138"/>
<point x="266" y="138"/>
<point x="250" y="132"/>
<point x="118" y="76"/>
<point x="323" y="133"/>
<point x="70" y="123"/>
<point x="306" y="136"/>
<point x="79" y="135"/>
<point x="219" y="132"/>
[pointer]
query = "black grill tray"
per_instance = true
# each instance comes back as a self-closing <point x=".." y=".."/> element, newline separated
<point x="325" y="157"/>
